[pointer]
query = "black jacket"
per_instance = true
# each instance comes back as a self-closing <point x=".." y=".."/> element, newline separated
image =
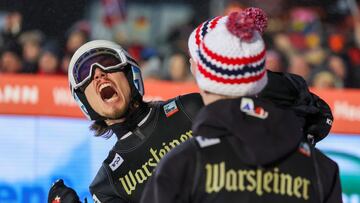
<point x="245" y="150"/>
<point x="131" y="161"/>
<point x="286" y="90"/>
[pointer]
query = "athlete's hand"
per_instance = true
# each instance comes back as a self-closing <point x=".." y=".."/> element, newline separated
<point x="60" y="193"/>
<point x="319" y="124"/>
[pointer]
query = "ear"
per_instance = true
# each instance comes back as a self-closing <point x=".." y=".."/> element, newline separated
<point x="193" y="66"/>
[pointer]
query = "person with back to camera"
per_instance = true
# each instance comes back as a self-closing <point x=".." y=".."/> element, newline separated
<point x="246" y="147"/>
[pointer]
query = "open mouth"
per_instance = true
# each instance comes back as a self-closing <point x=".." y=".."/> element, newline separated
<point x="108" y="93"/>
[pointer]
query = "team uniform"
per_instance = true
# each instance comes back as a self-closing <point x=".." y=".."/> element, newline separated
<point x="124" y="172"/>
<point x="247" y="150"/>
<point x="150" y="131"/>
<point x="130" y="163"/>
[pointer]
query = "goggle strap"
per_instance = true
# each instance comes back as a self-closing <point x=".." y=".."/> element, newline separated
<point x="132" y="61"/>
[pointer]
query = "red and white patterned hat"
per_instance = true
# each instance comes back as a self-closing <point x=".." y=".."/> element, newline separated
<point x="230" y="53"/>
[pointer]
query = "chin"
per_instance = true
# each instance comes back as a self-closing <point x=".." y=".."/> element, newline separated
<point x="115" y="113"/>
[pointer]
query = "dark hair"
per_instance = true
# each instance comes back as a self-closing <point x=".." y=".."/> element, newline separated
<point x="101" y="129"/>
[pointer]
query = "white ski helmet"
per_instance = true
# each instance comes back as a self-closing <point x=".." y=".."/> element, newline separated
<point x="81" y="70"/>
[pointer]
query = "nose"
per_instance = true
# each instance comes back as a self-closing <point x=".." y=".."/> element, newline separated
<point x="98" y="74"/>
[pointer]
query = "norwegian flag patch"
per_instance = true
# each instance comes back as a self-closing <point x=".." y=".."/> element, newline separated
<point x="304" y="148"/>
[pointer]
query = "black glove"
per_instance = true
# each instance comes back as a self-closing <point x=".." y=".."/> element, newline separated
<point x="289" y="90"/>
<point x="60" y="193"/>
<point x="319" y="124"/>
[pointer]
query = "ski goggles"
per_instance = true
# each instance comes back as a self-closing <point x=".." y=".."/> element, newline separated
<point x="108" y="60"/>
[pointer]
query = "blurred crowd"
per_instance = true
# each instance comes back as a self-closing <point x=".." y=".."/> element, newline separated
<point x="300" y="40"/>
<point x="31" y="52"/>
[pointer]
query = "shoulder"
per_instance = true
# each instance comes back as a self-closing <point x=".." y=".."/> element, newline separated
<point x="101" y="187"/>
<point x="190" y="104"/>
<point x="180" y="157"/>
<point x="329" y="177"/>
<point x="192" y="98"/>
<point x="329" y="165"/>
<point x="329" y="170"/>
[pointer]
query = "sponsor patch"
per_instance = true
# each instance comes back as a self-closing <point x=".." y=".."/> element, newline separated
<point x="247" y="106"/>
<point x="116" y="162"/>
<point x="170" y="108"/>
<point x="304" y="149"/>
<point x="205" y="142"/>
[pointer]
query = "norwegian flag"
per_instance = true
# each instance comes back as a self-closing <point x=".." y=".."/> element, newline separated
<point x="114" y="12"/>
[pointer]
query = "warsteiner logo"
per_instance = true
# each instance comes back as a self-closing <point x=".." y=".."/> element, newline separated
<point x="132" y="179"/>
<point x="258" y="181"/>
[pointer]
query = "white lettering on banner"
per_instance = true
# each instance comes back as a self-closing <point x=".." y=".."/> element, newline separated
<point x="346" y="111"/>
<point x="19" y="94"/>
<point x="62" y="97"/>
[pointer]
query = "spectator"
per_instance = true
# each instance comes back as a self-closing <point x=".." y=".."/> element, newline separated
<point x="315" y="57"/>
<point x="49" y="61"/>
<point x="338" y="67"/>
<point x="178" y="68"/>
<point x="299" y="66"/>
<point x="65" y="61"/>
<point x="150" y="63"/>
<point x="78" y="35"/>
<point x="283" y="44"/>
<point x="75" y="40"/>
<point x="274" y="61"/>
<point x="323" y="79"/>
<point x="10" y="60"/>
<point x="31" y="42"/>
<point x="12" y="28"/>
